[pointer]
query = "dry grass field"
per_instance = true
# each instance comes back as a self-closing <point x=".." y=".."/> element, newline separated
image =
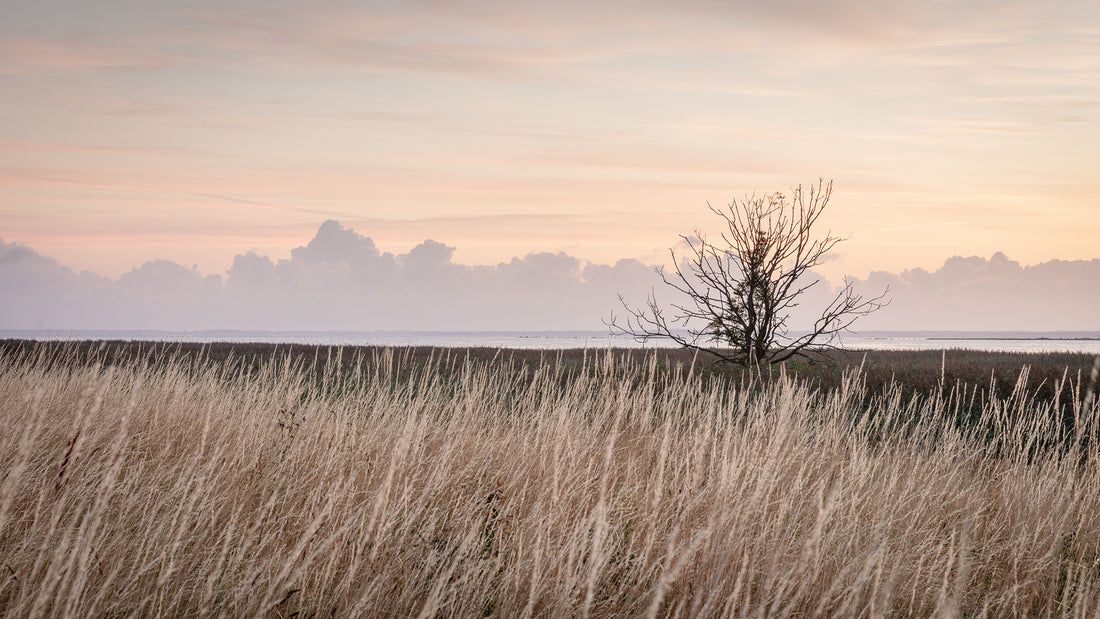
<point x="394" y="484"/>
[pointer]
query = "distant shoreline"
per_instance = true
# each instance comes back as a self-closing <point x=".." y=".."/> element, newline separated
<point x="930" y="334"/>
<point x="1018" y="341"/>
<point x="1013" y="339"/>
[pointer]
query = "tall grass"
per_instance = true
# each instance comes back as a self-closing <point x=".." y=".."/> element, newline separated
<point x="606" y="489"/>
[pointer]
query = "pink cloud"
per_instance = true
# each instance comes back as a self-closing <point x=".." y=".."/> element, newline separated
<point x="341" y="280"/>
<point x="77" y="53"/>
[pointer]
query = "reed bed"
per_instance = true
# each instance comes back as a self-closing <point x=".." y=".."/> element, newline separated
<point x="610" y="487"/>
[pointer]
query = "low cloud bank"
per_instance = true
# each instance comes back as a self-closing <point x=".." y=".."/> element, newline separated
<point x="341" y="281"/>
<point x="338" y="281"/>
<point x="998" y="294"/>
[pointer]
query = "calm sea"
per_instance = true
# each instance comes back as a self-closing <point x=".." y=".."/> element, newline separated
<point x="1086" y="342"/>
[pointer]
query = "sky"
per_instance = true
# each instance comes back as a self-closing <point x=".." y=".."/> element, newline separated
<point x="194" y="133"/>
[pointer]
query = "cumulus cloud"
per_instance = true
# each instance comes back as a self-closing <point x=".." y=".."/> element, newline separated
<point x="340" y="280"/>
<point x="995" y="294"/>
<point x="40" y="293"/>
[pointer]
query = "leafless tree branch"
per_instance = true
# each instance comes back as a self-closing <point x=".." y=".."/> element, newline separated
<point x="739" y="292"/>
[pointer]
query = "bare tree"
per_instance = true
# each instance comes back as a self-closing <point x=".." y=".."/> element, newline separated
<point x="738" y="294"/>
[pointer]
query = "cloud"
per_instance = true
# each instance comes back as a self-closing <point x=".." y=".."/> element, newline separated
<point x="74" y="53"/>
<point x="40" y="293"/>
<point x="334" y="243"/>
<point x="521" y="38"/>
<point x="340" y="280"/>
<point x="995" y="294"/>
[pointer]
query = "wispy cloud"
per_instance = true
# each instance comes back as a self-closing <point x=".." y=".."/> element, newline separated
<point x="76" y="53"/>
<point x="154" y="113"/>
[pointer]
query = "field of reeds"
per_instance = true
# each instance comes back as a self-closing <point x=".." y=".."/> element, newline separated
<point x="185" y="483"/>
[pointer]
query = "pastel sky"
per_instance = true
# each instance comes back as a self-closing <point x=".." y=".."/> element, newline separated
<point x="194" y="131"/>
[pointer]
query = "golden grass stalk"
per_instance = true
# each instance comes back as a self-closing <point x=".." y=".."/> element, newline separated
<point x="612" y="489"/>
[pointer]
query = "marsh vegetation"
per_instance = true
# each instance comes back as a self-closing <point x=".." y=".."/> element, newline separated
<point x="197" y="482"/>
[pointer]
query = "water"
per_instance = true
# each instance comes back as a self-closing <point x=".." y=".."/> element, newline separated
<point x="1084" y="342"/>
<point x="1036" y="344"/>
